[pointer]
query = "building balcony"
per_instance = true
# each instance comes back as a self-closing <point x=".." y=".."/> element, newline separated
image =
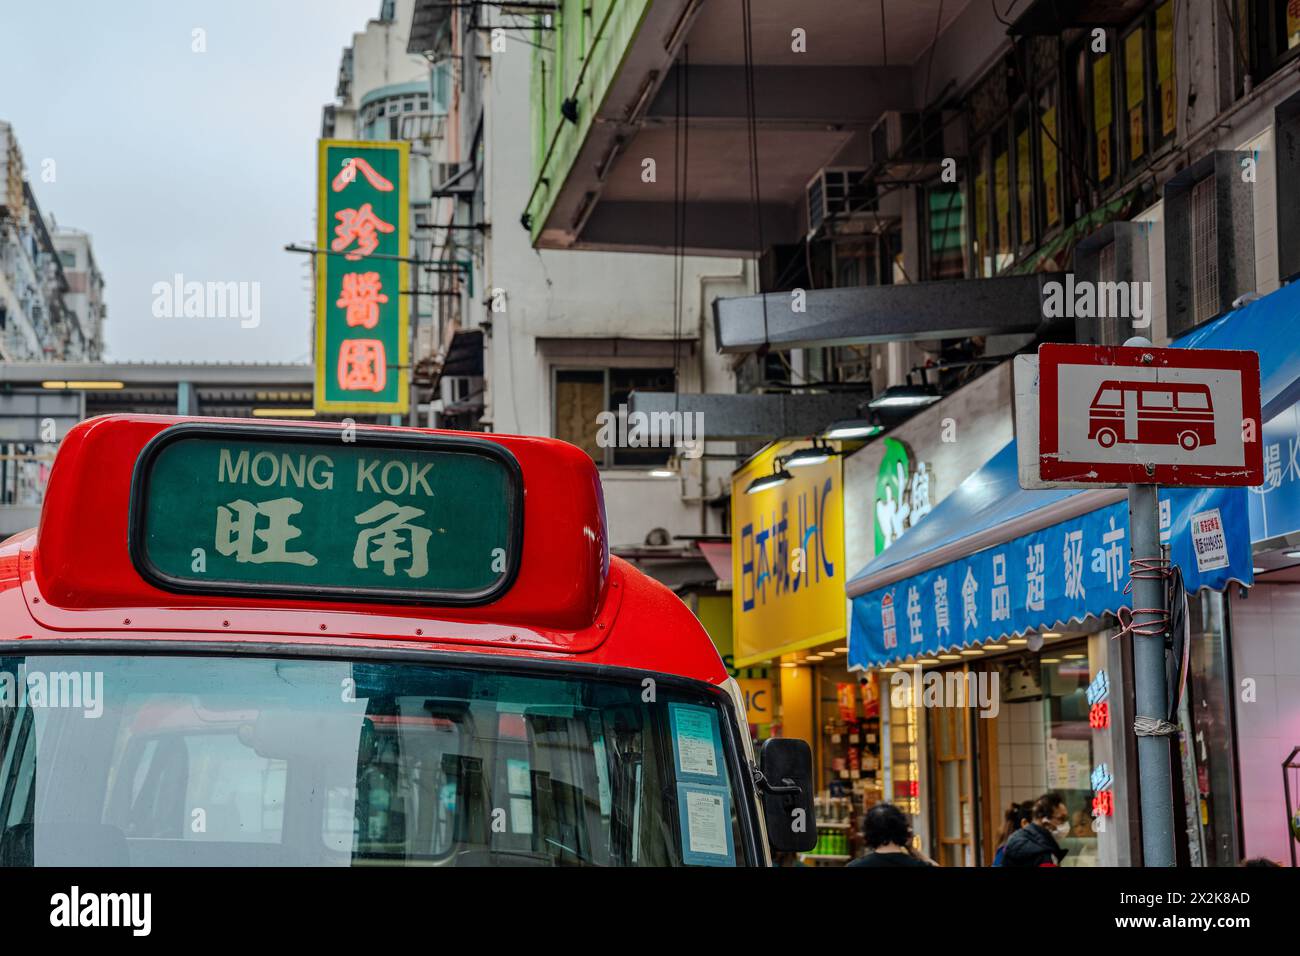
<point x="654" y="76"/>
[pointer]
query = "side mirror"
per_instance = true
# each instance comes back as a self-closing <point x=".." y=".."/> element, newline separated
<point x="786" y="786"/>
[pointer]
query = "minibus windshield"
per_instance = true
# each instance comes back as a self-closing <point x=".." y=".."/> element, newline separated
<point x="241" y="760"/>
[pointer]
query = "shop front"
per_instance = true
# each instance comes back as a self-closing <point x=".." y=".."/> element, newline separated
<point x="992" y="630"/>
<point x="891" y="487"/>
<point x="789" y="617"/>
<point x="1246" y="663"/>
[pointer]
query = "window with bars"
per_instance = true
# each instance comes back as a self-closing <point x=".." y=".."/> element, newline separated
<point x="1102" y="92"/>
<point x="1106" y="263"/>
<point x="1205" y="251"/>
<point x="1015" y="198"/>
<point x="582" y="394"/>
<point x="1275" y="27"/>
<point x="945" y="219"/>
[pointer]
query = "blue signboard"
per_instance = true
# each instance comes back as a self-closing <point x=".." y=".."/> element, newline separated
<point x="1067" y="572"/>
<point x="1275" y="504"/>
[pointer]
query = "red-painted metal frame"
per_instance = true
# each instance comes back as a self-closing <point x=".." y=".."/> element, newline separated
<point x="73" y="578"/>
<point x="1051" y="468"/>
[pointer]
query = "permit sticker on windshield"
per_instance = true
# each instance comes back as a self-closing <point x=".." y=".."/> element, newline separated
<point x="696" y="740"/>
<point x="518" y="778"/>
<point x="704" y="815"/>
<point x="521" y="815"/>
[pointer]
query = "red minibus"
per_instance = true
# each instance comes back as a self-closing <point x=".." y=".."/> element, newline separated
<point x="292" y="644"/>
<point x="1152" y="413"/>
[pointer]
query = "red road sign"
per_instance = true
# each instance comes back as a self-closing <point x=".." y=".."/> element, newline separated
<point x="1112" y="414"/>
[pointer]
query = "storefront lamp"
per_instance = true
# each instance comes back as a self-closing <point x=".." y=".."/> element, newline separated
<point x="805" y="457"/>
<point x="852" y="429"/>
<point x="815" y="455"/>
<point x="905" y="396"/>
<point x="973" y="652"/>
<point x="778" y="477"/>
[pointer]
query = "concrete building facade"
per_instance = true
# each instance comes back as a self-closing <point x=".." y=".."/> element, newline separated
<point x="546" y="343"/>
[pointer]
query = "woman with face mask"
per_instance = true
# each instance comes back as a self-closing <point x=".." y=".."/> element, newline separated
<point x="1035" y="844"/>
<point x="1018" y="816"/>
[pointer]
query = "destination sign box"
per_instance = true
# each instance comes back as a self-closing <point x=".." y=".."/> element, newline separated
<point x="225" y="509"/>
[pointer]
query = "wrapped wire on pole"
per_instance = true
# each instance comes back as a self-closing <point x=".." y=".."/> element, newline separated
<point x="1148" y="622"/>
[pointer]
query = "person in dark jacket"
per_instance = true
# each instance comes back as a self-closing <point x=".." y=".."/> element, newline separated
<point x="889" y="838"/>
<point x="1035" y="844"/>
<point x="1019" y="815"/>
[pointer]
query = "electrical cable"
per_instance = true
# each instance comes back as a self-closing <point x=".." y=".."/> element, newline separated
<point x="1157" y="625"/>
<point x="756" y="195"/>
<point x="929" y="61"/>
<point x="680" y="175"/>
<point x="884" y="35"/>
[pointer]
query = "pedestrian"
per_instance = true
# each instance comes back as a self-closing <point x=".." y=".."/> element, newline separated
<point x="889" y="839"/>
<point x="1018" y="815"/>
<point x="1035" y="844"/>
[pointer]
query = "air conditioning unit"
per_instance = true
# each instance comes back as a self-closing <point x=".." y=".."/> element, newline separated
<point x="456" y="389"/>
<point x="910" y="147"/>
<point x="840" y="194"/>
<point x="413" y="126"/>
<point x="1117" y="254"/>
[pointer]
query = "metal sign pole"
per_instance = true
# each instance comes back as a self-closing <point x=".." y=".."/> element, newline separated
<point x="1136" y="416"/>
<point x="1149" y="626"/>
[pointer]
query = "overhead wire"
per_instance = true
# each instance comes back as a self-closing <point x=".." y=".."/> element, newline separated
<point x="755" y="188"/>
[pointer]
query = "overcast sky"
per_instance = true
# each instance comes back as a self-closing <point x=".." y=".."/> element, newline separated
<point x="177" y="161"/>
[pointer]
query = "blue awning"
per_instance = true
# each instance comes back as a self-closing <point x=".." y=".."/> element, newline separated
<point x="1267" y="326"/>
<point x="993" y="559"/>
<point x="1056" y="574"/>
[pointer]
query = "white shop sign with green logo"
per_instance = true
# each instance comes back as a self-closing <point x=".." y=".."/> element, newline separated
<point x="902" y="494"/>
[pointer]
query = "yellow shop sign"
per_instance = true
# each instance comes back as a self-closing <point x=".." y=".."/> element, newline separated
<point x="787" y="555"/>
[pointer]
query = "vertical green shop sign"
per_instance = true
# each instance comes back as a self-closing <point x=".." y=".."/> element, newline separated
<point x="362" y="343"/>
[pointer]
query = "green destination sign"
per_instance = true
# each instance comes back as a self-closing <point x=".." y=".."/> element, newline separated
<point x="241" y="509"/>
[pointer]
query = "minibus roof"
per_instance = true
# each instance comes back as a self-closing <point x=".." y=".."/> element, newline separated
<point x="107" y="561"/>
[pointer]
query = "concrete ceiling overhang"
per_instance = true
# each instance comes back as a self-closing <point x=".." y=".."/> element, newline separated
<point x="750" y="416"/>
<point x="687" y="57"/>
<point x="428" y="21"/>
<point x="1050" y="17"/>
<point x="955" y="308"/>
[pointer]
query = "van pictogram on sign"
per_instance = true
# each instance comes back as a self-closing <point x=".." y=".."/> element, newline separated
<point x="1151" y="413"/>
<point x="1113" y="414"/>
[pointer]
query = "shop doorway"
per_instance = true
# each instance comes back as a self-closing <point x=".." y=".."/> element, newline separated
<point x="954" y="841"/>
